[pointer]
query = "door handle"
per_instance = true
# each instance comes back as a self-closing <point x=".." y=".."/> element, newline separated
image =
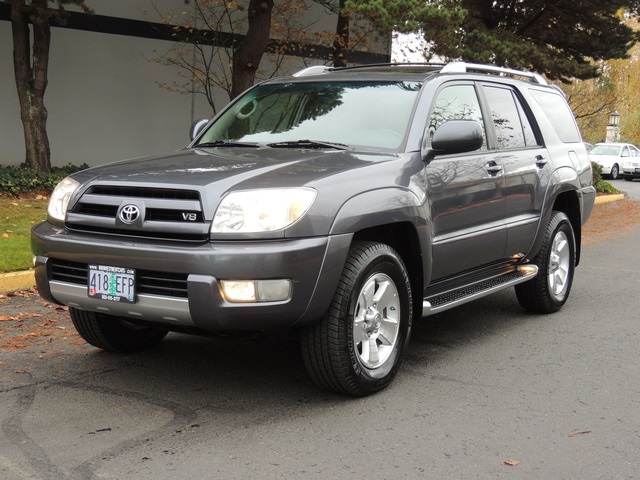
<point x="492" y="168"/>
<point x="540" y="161"/>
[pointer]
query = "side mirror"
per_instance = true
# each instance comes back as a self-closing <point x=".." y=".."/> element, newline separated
<point x="453" y="136"/>
<point x="197" y="128"/>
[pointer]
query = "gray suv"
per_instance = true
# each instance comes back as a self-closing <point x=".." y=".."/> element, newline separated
<point x="342" y="203"/>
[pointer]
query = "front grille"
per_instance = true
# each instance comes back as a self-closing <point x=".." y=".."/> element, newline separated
<point x="157" y="215"/>
<point x="143" y="192"/>
<point x="147" y="282"/>
<point x="97" y="210"/>
<point x="167" y="213"/>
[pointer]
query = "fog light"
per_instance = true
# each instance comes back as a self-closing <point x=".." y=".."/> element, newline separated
<point x="246" y="291"/>
<point x="273" y="290"/>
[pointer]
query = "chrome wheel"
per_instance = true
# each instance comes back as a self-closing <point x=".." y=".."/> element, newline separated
<point x="559" y="262"/>
<point x="376" y="321"/>
<point x="358" y="345"/>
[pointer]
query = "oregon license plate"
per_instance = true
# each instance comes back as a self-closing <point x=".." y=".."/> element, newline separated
<point x="115" y="284"/>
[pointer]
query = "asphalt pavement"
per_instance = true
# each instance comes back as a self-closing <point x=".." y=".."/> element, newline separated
<point x="486" y="391"/>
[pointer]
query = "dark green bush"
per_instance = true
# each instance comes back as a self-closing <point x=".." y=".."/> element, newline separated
<point x="597" y="173"/>
<point x="21" y="180"/>
<point x="602" y="186"/>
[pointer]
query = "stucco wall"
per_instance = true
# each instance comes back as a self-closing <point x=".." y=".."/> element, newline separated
<point x="103" y="100"/>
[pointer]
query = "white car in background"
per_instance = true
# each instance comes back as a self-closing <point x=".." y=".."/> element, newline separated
<point x="612" y="156"/>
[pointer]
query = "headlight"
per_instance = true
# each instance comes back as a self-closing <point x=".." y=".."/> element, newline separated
<point x="60" y="198"/>
<point x="266" y="210"/>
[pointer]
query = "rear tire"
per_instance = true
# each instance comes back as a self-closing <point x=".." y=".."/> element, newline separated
<point x="549" y="290"/>
<point x="358" y="346"/>
<point x="114" y="334"/>
<point x="628" y="178"/>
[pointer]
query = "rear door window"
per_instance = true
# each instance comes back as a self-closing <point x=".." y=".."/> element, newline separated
<point x="512" y="126"/>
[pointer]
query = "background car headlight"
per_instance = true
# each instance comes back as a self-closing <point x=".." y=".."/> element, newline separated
<point x="265" y="210"/>
<point x="60" y="198"/>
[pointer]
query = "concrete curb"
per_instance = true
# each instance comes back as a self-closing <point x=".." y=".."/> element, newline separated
<point x="609" y="198"/>
<point x="12" y="282"/>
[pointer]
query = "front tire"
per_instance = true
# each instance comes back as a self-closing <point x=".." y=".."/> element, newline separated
<point x="549" y="290"/>
<point x="358" y="346"/>
<point x="114" y="334"/>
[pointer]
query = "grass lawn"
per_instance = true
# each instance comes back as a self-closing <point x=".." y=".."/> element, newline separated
<point x="17" y="216"/>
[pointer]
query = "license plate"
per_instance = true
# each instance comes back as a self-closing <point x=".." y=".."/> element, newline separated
<point x="115" y="284"/>
<point x="637" y="170"/>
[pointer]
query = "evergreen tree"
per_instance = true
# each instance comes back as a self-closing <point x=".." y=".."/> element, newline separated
<point x="561" y="38"/>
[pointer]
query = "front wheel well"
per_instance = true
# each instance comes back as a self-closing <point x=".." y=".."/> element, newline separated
<point x="403" y="238"/>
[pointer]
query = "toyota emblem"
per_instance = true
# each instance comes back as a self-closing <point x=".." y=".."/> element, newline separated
<point x="129" y="214"/>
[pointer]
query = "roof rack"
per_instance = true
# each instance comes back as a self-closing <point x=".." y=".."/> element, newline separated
<point x="313" y="70"/>
<point x="453" y="67"/>
<point x="319" y="69"/>
<point x="462" y="67"/>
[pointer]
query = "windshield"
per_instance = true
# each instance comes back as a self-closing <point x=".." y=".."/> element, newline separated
<point x="605" y="150"/>
<point x="355" y="114"/>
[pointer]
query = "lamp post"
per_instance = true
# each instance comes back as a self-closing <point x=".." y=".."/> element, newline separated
<point x="613" y="128"/>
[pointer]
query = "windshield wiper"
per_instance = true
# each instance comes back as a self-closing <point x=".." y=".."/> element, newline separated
<point x="224" y="143"/>
<point x="310" y="144"/>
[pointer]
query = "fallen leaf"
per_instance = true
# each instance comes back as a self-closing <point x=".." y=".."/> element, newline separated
<point x="511" y="463"/>
<point x="5" y="235"/>
<point x="581" y="432"/>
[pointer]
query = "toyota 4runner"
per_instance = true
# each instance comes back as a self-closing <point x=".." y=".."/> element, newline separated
<point x="344" y="203"/>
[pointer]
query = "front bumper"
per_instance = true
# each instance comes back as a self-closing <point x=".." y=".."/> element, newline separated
<point x="313" y="264"/>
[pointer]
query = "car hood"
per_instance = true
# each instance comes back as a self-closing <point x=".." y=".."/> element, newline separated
<point x="241" y="167"/>
<point x="335" y="174"/>
<point x="606" y="159"/>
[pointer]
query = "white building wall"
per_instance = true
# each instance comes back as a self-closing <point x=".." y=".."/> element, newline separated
<point x="103" y="100"/>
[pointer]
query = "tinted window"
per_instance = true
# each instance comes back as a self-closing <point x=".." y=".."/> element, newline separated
<point x="512" y="126"/>
<point x="557" y="111"/>
<point x="457" y="102"/>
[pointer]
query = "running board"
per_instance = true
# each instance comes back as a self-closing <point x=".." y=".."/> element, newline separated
<point x="453" y="298"/>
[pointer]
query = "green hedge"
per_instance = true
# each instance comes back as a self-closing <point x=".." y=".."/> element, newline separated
<point x="20" y="180"/>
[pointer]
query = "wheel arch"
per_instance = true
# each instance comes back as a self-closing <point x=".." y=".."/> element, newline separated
<point x="403" y="238"/>
<point x="395" y="217"/>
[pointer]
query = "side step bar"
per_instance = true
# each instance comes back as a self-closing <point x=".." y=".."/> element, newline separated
<point x="453" y="298"/>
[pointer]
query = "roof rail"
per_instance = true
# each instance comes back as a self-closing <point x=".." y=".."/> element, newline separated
<point x="313" y="70"/>
<point x="462" y="67"/>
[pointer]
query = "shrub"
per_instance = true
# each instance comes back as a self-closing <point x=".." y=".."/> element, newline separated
<point x="597" y="173"/>
<point x="21" y="180"/>
<point x="602" y="186"/>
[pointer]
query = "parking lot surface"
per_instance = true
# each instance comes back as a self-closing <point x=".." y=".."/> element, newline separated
<point x="486" y="391"/>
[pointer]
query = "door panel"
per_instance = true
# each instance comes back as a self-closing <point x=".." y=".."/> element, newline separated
<point x="465" y="192"/>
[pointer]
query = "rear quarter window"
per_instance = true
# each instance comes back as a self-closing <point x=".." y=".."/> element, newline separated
<point x="559" y="114"/>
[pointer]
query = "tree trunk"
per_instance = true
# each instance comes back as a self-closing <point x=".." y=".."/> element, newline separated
<point x="31" y="77"/>
<point x="341" y="39"/>
<point x="247" y="56"/>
